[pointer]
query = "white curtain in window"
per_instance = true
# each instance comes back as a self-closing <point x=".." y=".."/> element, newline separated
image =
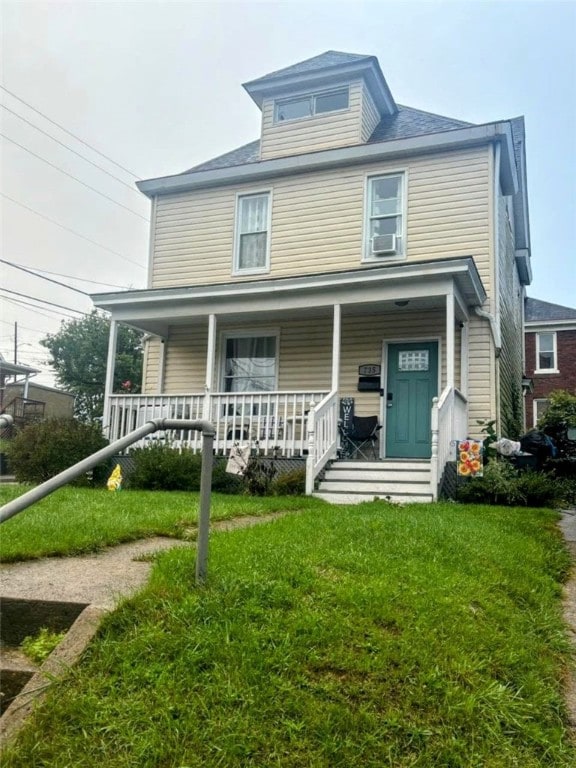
<point x="253" y="231"/>
<point x="250" y="364"/>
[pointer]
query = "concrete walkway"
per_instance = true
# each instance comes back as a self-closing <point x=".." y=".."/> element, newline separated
<point x="101" y="579"/>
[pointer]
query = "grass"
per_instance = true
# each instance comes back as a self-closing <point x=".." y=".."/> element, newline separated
<point x="73" y="521"/>
<point x="373" y="636"/>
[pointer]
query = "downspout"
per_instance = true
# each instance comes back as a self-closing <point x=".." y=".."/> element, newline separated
<point x="494" y="328"/>
<point x="497" y="257"/>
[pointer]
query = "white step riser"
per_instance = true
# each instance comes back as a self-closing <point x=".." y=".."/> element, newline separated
<point x="400" y="466"/>
<point x="379" y="489"/>
<point x="358" y="498"/>
<point x="382" y="476"/>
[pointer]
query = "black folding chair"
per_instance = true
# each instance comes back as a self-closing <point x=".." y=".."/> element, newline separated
<point x="361" y="439"/>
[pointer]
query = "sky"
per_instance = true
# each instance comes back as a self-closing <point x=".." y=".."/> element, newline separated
<point x="145" y="89"/>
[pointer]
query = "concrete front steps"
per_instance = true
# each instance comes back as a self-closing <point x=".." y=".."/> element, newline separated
<point x="397" y="480"/>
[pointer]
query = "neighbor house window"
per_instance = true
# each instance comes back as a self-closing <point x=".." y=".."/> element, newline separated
<point x="546" y="352"/>
<point x="252" y="233"/>
<point x="250" y="363"/>
<point x="540" y="408"/>
<point x="385" y="216"/>
<point x="310" y="105"/>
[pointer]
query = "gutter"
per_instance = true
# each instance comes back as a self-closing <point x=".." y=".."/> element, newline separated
<point x="344" y="156"/>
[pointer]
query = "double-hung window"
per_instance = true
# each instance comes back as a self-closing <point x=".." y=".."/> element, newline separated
<point x="250" y="363"/>
<point x="311" y="104"/>
<point x="546" y="361"/>
<point x="385" y="217"/>
<point x="252" y="247"/>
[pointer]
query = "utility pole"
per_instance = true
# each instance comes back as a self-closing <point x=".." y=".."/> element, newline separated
<point x="15" y="343"/>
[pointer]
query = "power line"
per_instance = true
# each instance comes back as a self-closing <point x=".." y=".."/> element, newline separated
<point x="82" y="279"/>
<point x="49" y="279"/>
<point x="43" y="301"/>
<point x="93" y="189"/>
<point x="135" y="175"/>
<point x="25" y="327"/>
<point x="62" y="144"/>
<point x="38" y="310"/>
<point x="72" y="231"/>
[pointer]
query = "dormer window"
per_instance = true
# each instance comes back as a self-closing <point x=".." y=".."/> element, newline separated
<point x="311" y="105"/>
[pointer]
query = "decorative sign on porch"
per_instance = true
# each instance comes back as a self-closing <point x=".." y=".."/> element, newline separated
<point x="469" y="458"/>
<point x="346" y="413"/>
<point x="369" y="369"/>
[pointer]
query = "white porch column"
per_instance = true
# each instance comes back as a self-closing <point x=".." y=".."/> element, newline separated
<point x="336" y="334"/>
<point x="450" y="342"/>
<point x="210" y="363"/>
<point x="110" y="368"/>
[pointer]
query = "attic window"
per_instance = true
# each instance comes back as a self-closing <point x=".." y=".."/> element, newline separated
<point x="313" y="104"/>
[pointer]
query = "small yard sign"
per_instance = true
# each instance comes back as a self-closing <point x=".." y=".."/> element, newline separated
<point x="469" y="458"/>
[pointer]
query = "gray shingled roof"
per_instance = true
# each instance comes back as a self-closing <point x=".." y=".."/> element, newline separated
<point x="542" y="311"/>
<point x="322" y="61"/>
<point x="405" y="123"/>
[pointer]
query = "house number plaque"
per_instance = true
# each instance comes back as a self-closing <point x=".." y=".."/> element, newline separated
<point x="368" y="369"/>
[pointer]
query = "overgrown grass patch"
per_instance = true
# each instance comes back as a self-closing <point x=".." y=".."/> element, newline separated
<point x="76" y="520"/>
<point x="428" y="635"/>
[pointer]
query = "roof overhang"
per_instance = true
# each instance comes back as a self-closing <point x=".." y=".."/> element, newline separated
<point x="14" y="369"/>
<point x="533" y="326"/>
<point x="457" y="138"/>
<point x="155" y="310"/>
<point x="291" y="83"/>
<point x="524" y="265"/>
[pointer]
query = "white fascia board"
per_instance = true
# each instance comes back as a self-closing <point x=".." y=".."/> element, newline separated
<point x="300" y="292"/>
<point x="550" y="325"/>
<point x="335" y="158"/>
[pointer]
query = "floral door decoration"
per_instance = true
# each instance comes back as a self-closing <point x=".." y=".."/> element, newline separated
<point x="469" y="458"/>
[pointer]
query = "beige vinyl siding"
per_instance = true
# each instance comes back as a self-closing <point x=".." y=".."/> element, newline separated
<point x="326" y="131"/>
<point x="318" y="220"/>
<point x="481" y="374"/>
<point x="370" y="115"/>
<point x="151" y="365"/>
<point x="305" y="350"/>
<point x="510" y="301"/>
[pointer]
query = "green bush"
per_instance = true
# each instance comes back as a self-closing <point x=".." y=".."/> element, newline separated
<point x="161" y="467"/>
<point x="291" y="483"/>
<point x="42" y="450"/>
<point x="504" y="485"/>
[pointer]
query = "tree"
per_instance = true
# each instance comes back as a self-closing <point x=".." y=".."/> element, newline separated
<point x="79" y="351"/>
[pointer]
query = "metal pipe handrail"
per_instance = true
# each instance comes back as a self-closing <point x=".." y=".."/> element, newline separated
<point x="31" y="497"/>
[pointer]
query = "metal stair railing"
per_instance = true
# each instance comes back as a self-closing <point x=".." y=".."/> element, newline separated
<point x="44" y="489"/>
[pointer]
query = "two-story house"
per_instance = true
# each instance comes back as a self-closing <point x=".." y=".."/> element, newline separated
<point x="359" y="252"/>
<point x="550" y="339"/>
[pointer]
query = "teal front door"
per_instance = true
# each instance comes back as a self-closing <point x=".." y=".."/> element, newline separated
<point x="412" y="382"/>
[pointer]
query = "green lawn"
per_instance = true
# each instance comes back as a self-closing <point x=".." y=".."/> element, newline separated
<point x="368" y="636"/>
<point x="75" y="520"/>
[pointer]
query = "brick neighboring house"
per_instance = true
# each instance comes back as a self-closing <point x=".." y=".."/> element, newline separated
<point x="550" y="348"/>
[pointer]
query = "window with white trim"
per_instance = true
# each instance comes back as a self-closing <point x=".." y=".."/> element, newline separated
<point x="252" y="248"/>
<point x="312" y="104"/>
<point x="384" y="229"/>
<point x="546" y="359"/>
<point x="250" y="363"/>
<point x="540" y="407"/>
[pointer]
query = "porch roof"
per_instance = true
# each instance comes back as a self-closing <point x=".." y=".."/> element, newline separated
<point x="424" y="284"/>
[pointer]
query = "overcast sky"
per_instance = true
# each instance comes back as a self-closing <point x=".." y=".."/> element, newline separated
<point x="156" y="87"/>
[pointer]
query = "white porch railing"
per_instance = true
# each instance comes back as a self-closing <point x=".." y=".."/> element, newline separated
<point x="273" y="422"/>
<point x="322" y="437"/>
<point x="449" y="423"/>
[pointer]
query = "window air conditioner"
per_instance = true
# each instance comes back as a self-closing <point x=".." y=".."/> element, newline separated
<point x="382" y="244"/>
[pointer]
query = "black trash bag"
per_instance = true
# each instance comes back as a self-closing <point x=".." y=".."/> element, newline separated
<point x="538" y="444"/>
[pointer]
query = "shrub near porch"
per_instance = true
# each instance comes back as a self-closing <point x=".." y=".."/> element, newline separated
<point x="428" y="635"/>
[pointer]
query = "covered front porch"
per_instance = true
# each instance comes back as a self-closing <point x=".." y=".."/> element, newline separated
<point x="312" y="339"/>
